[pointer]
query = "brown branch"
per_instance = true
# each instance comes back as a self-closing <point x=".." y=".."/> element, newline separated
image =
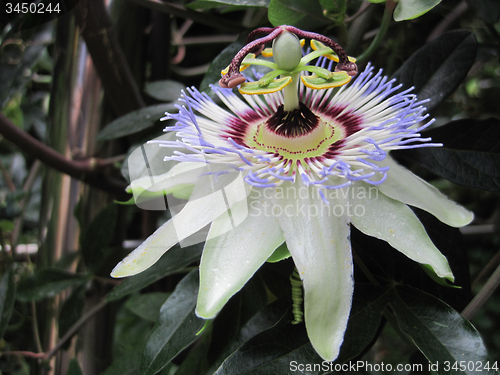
<point x="108" y="57"/>
<point x="180" y="11"/>
<point x="76" y="327"/>
<point x="482" y="297"/>
<point x="72" y="331"/>
<point x="7" y="178"/>
<point x="448" y="20"/>
<point x="88" y="170"/>
<point x="25" y="354"/>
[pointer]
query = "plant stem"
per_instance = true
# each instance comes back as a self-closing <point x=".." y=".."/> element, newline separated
<point x="6" y="177"/>
<point x="386" y="20"/>
<point x="484" y="294"/>
<point x="36" y="332"/>
<point x="25" y="354"/>
<point x="85" y="170"/>
<point x="76" y="327"/>
<point x="487" y="269"/>
<point x="364" y="269"/>
<point x="108" y="57"/>
<point x="291" y="93"/>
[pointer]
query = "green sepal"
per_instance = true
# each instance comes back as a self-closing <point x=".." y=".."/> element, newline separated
<point x="441" y="281"/>
<point x="181" y="191"/>
<point x="252" y="88"/>
<point x="316" y="83"/>
<point x="130" y="202"/>
<point x="279" y="254"/>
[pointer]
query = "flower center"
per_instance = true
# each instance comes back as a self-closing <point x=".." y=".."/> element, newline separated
<point x="292" y="123"/>
<point x="295" y="134"/>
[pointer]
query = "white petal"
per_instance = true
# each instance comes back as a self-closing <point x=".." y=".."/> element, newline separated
<point x="182" y="176"/>
<point x="148" y="159"/>
<point x="393" y="221"/>
<point x="406" y="187"/>
<point x="208" y="201"/>
<point x="320" y="246"/>
<point x="233" y="254"/>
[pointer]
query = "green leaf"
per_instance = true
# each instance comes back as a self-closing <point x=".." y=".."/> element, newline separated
<point x="272" y="351"/>
<point x="71" y="311"/>
<point x="74" y="367"/>
<point x="368" y="304"/>
<point x="279" y="254"/>
<point x="167" y="91"/>
<point x="176" y="328"/>
<point x="173" y="260"/>
<point x="276" y="276"/>
<point x="486" y="10"/>
<point x="96" y="239"/>
<point x="275" y="314"/>
<point x="304" y="14"/>
<point x="451" y="244"/>
<point x="410" y="9"/>
<point x="386" y="263"/>
<point x="135" y="121"/>
<point x="47" y="282"/>
<point x="268" y="343"/>
<point x="130" y="336"/>
<point x="437" y="68"/>
<point x="147" y="306"/>
<point x="334" y="6"/>
<point x="470" y="155"/>
<point x="237" y="311"/>
<point x="7" y="299"/>
<point x="438" y="331"/>
<point x="196" y="362"/>
<point x="26" y="53"/>
<point x="224" y="58"/>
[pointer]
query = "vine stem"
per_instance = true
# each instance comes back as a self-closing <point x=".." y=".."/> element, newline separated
<point x="71" y="332"/>
<point x="386" y="20"/>
<point x="484" y="294"/>
<point x="87" y="170"/>
<point x="36" y="331"/>
<point x="25" y="354"/>
<point x="75" y="328"/>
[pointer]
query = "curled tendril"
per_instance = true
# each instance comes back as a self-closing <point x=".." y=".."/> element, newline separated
<point x="297" y="297"/>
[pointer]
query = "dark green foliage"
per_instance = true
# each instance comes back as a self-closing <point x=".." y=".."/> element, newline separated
<point x="147" y="323"/>
<point x="47" y="282"/>
<point x="470" y="155"/>
<point x="436" y="69"/>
